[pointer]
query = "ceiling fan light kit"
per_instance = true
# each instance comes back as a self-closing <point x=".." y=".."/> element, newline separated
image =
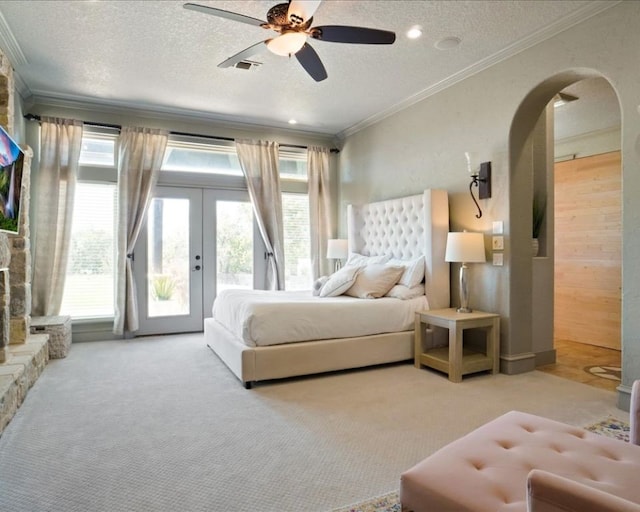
<point x="293" y="22"/>
<point x="288" y="43"/>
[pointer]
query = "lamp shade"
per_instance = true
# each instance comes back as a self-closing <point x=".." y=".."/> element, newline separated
<point x="465" y="247"/>
<point x="337" y="249"/>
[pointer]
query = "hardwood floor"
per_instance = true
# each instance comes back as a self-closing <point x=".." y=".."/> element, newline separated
<point x="589" y="364"/>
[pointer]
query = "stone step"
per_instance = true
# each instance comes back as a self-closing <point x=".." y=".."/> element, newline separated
<point x="24" y="365"/>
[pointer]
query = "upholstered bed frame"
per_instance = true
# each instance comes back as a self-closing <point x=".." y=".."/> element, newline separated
<point x="406" y="228"/>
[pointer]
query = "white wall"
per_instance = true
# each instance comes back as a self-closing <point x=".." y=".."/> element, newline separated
<point x="423" y="146"/>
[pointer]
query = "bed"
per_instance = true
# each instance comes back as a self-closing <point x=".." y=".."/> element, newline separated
<point x="245" y="334"/>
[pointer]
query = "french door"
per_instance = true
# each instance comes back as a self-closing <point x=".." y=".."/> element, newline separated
<point x="195" y="242"/>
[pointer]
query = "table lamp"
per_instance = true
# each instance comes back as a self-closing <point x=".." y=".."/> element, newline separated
<point x="337" y="249"/>
<point x="465" y="248"/>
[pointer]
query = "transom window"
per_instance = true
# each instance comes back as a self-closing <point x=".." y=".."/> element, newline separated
<point x="202" y="156"/>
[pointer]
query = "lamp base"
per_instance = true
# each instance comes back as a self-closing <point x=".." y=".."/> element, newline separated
<point x="464" y="310"/>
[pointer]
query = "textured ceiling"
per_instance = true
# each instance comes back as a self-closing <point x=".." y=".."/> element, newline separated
<point x="156" y="55"/>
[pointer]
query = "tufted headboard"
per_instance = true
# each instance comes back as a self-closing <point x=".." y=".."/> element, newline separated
<point x="407" y="228"/>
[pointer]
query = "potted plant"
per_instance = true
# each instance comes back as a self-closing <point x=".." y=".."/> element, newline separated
<point x="539" y="211"/>
<point x="163" y="287"/>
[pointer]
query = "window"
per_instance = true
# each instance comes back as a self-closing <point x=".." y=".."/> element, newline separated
<point x="209" y="157"/>
<point x="190" y="154"/>
<point x="297" y="250"/>
<point x="293" y="164"/>
<point x="98" y="148"/>
<point x="89" y="285"/>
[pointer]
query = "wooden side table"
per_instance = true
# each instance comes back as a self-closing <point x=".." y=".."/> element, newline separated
<point x="455" y="360"/>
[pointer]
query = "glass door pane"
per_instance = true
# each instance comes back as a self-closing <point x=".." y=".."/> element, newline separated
<point x="233" y="252"/>
<point x="168" y="261"/>
<point x="234" y="245"/>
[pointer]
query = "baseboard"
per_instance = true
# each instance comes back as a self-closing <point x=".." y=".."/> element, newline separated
<point x="518" y="363"/>
<point x="101" y="330"/>
<point x="624" y="397"/>
<point x="545" y="357"/>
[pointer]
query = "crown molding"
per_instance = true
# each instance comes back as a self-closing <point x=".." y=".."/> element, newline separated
<point x="164" y="114"/>
<point x="21" y="86"/>
<point x="578" y="16"/>
<point x="611" y="130"/>
<point x="10" y="45"/>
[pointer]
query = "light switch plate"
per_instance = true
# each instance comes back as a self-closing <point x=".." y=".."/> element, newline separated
<point x="498" y="259"/>
<point x="497" y="243"/>
<point x="498" y="227"/>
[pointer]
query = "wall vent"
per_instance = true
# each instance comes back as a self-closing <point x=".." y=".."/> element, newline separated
<point x="247" y="64"/>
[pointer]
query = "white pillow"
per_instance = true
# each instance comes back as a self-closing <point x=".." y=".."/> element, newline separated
<point x="413" y="271"/>
<point x="361" y="260"/>
<point x="374" y="281"/>
<point x="339" y="282"/>
<point x="318" y="284"/>
<point x="403" y="292"/>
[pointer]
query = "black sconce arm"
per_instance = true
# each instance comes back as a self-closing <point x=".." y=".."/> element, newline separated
<point x="482" y="180"/>
<point x="474" y="181"/>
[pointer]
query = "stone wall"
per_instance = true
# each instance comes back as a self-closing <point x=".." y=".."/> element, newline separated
<point x="5" y="257"/>
<point x="7" y="87"/>
<point x="23" y="356"/>
<point x="18" y="245"/>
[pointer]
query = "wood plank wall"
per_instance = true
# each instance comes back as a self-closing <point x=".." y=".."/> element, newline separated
<point x="588" y="239"/>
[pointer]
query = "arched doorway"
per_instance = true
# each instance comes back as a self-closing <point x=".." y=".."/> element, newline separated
<point x="587" y="235"/>
<point x="531" y="298"/>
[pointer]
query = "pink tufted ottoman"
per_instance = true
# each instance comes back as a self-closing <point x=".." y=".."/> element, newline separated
<point x="487" y="470"/>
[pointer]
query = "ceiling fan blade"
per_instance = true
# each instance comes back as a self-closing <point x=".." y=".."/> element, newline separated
<point x="301" y="10"/>
<point x="244" y="54"/>
<point x="312" y="64"/>
<point x="224" y="14"/>
<point x="346" y="34"/>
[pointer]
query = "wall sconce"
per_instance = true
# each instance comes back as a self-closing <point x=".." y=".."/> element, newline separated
<point x="482" y="180"/>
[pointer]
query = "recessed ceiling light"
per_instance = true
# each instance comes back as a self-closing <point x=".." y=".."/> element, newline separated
<point x="293" y="121"/>
<point x="414" y="32"/>
<point x="447" y="43"/>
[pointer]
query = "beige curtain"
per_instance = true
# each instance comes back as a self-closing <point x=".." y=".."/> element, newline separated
<point x="259" y="161"/>
<point x="60" y="144"/>
<point x="319" y="208"/>
<point x="140" y="152"/>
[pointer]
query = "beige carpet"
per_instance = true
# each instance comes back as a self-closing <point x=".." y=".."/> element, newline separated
<point x="160" y="424"/>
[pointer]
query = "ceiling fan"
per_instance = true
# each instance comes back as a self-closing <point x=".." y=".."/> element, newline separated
<point x="292" y="21"/>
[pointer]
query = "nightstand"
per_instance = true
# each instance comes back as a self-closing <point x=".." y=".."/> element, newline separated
<point x="455" y="360"/>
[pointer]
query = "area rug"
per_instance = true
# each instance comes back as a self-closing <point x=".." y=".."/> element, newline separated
<point x="390" y="502"/>
<point x="611" y="427"/>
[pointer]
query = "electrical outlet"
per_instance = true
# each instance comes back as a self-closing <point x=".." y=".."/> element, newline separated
<point x="498" y="259"/>
<point x="497" y="243"/>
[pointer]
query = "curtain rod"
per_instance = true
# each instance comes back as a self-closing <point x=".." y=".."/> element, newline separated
<point x="35" y="117"/>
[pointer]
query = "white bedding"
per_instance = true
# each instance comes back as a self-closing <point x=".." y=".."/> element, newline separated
<point x="262" y="318"/>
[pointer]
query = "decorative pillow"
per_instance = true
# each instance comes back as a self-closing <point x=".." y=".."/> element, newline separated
<point x="374" y="281"/>
<point x="361" y="260"/>
<point x="318" y="284"/>
<point x="403" y="292"/>
<point x="340" y="281"/>
<point x="413" y="271"/>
